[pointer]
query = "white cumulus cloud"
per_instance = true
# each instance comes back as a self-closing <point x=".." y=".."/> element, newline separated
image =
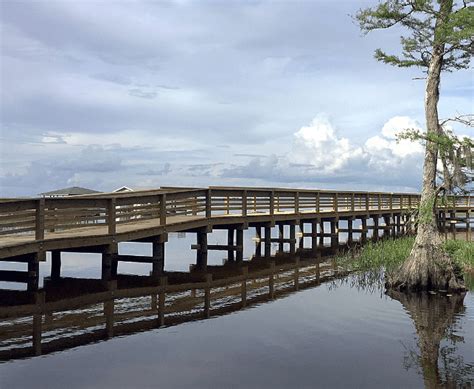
<point x="319" y="145"/>
<point x="384" y="152"/>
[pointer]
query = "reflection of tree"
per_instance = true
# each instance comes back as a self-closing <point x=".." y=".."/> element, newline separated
<point x="435" y="319"/>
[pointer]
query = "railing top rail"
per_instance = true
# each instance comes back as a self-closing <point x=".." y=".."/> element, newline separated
<point x="307" y="190"/>
<point x="199" y="191"/>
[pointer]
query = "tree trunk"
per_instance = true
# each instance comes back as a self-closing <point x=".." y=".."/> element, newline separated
<point x="429" y="266"/>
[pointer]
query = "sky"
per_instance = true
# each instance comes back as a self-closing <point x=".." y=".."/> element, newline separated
<point x="103" y="94"/>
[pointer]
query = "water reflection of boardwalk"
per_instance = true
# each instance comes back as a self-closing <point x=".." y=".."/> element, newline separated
<point x="62" y="315"/>
<point x="97" y="223"/>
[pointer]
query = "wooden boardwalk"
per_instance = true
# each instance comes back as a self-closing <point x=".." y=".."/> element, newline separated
<point x="97" y="223"/>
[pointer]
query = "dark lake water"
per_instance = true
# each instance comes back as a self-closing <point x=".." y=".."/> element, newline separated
<point x="334" y="333"/>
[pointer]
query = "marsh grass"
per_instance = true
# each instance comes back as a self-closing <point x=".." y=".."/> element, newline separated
<point x="462" y="252"/>
<point x="387" y="255"/>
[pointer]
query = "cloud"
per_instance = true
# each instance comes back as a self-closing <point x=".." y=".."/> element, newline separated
<point x="320" y="155"/>
<point x="199" y="85"/>
<point x="387" y="154"/>
<point x="318" y="144"/>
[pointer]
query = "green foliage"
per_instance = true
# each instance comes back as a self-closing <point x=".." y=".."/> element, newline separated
<point x="444" y="26"/>
<point x="387" y="254"/>
<point x="391" y="253"/>
<point x="462" y="252"/>
<point x="455" y="154"/>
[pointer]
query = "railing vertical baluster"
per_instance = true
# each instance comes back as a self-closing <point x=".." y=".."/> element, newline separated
<point x="39" y="217"/>
<point x="111" y="216"/>
<point x="272" y="202"/>
<point x="163" y="209"/>
<point x="208" y="204"/>
<point x="244" y="202"/>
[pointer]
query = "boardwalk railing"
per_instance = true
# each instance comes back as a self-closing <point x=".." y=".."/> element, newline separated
<point x="39" y="216"/>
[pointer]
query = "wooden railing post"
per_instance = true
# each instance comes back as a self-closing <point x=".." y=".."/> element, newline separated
<point x="390" y="199"/>
<point x="163" y="209"/>
<point x="409" y="201"/>
<point x="318" y="195"/>
<point x="208" y="204"/>
<point x="367" y="201"/>
<point x="335" y="204"/>
<point x="379" y="200"/>
<point x="39" y="217"/>
<point x="272" y="202"/>
<point x="352" y="202"/>
<point x="244" y="202"/>
<point x="297" y="202"/>
<point x="111" y="216"/>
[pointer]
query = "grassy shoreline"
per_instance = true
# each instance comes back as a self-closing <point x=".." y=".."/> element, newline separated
<point x="389" y="254"/>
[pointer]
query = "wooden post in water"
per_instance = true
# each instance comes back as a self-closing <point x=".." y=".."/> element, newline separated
<point x="314" y="234"/>
<point x="350" y="236"/>
<point x="301" y="242"/>
<point x="258" y="241"/>
<point x="33" y="271"/>
<point x="452" y="221"/>
<point x="281" y="236"/>
<point x="268" y="241"/>
<point x="387" y="227"/>
<point x="158" y="254"/>
<point x="201" y="261"/>
<point x="109" y="262"/>
<point x="334" y="233"/>
<point x="292" y="238"/>
<point x="375" y="231"/>
<point x="55" y="265"/>
<point x="321" y="232"/>
<point x="240" y="244"/>
<point x="363" y="235"/>
<point x="230" y="242"/>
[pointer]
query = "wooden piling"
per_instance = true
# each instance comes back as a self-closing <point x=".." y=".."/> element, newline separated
<point x="230" y="242"/>
<point x="55" y="265"/>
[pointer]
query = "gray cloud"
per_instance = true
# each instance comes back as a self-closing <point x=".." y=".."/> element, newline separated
<point x="92" y="88"/>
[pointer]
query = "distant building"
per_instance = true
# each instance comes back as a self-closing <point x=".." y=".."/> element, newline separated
<point x="72" y="191"/>
<point x="123" y="189"/>
<point x="129" y="189"/>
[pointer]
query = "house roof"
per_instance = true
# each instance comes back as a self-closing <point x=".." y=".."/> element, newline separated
<point x="133" y="189"/>
<point x="123" y="189"/>
<point x="72" y="191"/>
